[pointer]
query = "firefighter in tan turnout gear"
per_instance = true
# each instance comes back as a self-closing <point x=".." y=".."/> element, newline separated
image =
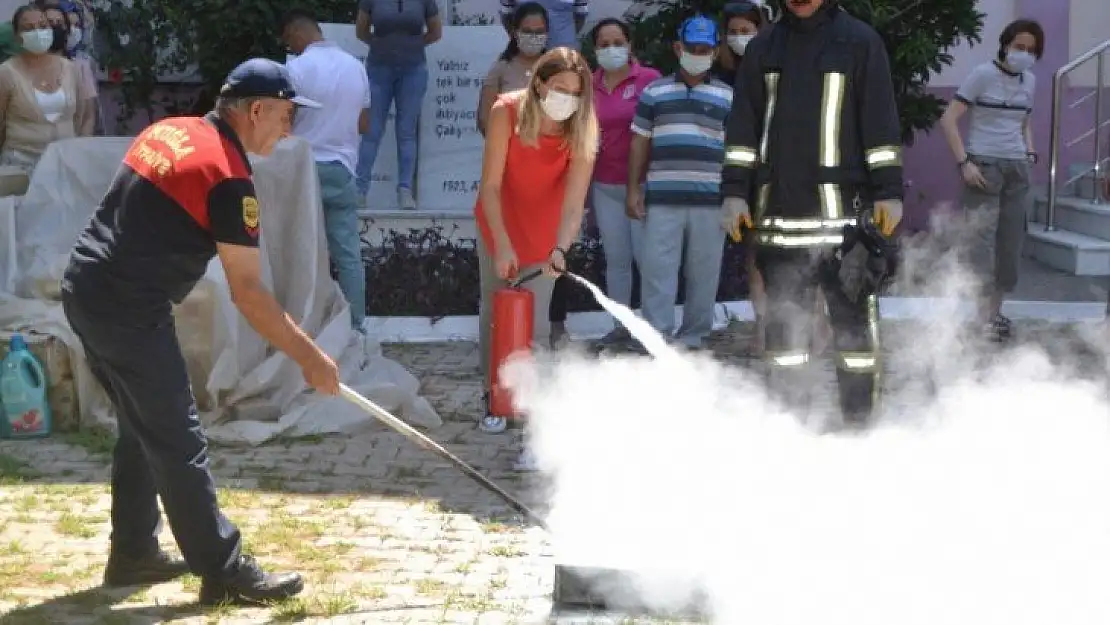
<point x="814" y="143"/>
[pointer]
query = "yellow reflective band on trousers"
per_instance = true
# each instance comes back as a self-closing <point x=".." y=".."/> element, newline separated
<point x="884" y="156"/>
<point x="787" y="359"/>
<point x="761" y="200"/>
<point x="741" y="156"/>
<point x="792" y="224"/>
<point x="771" y="86"/>
<point x="867" y="362"/>
<point x="876" y="349"/>
<point x="799" y="240"/>
<point x="832" y="107"/>
<point x="801" y="232"/>
<point x="856" y="361"/>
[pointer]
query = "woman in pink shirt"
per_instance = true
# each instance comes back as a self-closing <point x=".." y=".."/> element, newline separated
<point x="617" y="86"/>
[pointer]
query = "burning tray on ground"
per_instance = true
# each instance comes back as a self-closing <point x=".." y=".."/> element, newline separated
<point x="587" y="589"/>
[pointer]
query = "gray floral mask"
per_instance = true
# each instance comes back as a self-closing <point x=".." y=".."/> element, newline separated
<point x="531" y="43"/>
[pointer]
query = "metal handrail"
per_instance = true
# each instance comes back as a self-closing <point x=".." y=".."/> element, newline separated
<point x="1098" y="53"/>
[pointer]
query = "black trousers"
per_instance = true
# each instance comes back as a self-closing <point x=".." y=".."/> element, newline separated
<point x="560" y="297"/>
<point x="791" y="277"/>
<point x="162" y="451"/>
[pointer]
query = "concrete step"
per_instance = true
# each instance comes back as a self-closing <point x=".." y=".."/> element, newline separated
<point x="1068" y="251"/>
<point x="1077" y="215"/>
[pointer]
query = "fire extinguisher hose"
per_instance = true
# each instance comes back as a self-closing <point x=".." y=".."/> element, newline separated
<point x="420" y="439"/>
<point x="528" y="277"/>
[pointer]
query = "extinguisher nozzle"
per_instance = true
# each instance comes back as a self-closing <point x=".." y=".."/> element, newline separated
<point x="528" y="277"/>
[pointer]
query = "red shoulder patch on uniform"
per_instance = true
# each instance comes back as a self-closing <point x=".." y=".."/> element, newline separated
<point x="184" y="157"/>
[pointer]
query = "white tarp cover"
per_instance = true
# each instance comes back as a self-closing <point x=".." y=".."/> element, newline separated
<point x="247" y="391"/>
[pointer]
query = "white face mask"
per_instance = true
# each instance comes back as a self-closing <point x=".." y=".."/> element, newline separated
<point x="1020" y="60"/>
<point x="695" y="64"/>
<point x="531" y="44"/>
<point x="613" y="57"/>
<point x="559" y="106"/>
<point x="38" y="41"/>
<point x="739" y="43"/>
<point x="74" y="38"/>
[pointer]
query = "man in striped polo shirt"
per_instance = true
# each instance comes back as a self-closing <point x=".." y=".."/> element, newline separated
<point x="679" y="143"/>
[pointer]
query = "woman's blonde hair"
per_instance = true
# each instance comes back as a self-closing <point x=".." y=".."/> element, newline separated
<point x="580" y="131"/>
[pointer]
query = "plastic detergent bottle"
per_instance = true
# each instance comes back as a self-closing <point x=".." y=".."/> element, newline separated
<point x="23" y="394"/>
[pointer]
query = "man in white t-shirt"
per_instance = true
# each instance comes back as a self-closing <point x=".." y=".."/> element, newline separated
<point x="324" y="72"/>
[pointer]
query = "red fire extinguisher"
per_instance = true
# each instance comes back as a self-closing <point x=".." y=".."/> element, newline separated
<point x="511" y="333"/>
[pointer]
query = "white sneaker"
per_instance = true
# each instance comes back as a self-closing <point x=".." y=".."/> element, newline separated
<point x="493" y="425"/>
<point x="405" y="199"/>
<point x="361" y="340"/>
<point x="526" y="463"/>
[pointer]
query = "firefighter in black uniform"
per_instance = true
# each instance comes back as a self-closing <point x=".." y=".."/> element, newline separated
<point x="814" y="142"/>
<point x="183" y="195"/>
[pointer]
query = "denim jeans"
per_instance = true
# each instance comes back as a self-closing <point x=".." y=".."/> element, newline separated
<point x="404" y="88"/>
<point x="340" y="199"/>
<point x="620" y="237"/>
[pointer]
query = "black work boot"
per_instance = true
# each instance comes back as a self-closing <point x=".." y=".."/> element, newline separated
<point x="250" y="585"/>
<point x="154" y="568"/>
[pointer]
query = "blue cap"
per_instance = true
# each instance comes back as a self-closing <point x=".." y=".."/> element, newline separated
<point x="698" y="30"/>
<point x="263" y="78"/>
<point x="17" y="344"/>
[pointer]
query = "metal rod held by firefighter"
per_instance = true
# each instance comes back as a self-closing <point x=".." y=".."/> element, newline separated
<point x="415" y="436"/>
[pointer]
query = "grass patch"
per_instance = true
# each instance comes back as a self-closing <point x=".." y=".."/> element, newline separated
<point x="336" y="551"/>
<point x="470" y="603"/>
<point x="284" y="533"/>
<point x="301" y="608"/>
<point x="30" y="571"/>
<point x="271" y="483"/>
<point x="234" y="498"/>
<point x="366" y="564"/>
<point x="291" y="441"/>
<point x="15" y="471"/>
<point x="371" y="592"/>
<point x="217" y="614"/>
<point x="428" y="586"/>
<point x="142" y="596"/>
<point x="497" y="527"/>
<point x="505" y="551"/>
<point x="97" y="441"/>
<point x="69" y="524"/>
<point x="337" y="502"/>
<point x="26" y="503"/>
<point x="190" y="583"/>
<point x="13" y="548"/>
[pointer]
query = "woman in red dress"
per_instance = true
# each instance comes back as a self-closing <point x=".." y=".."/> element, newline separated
<point x="541" y="143"/>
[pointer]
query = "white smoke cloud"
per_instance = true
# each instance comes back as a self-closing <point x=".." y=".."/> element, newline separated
<point x="981" y="497"/>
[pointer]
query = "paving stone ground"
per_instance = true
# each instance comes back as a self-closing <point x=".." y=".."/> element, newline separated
<point x="384" y="531"/>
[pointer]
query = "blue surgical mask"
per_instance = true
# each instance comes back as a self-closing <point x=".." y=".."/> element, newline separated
<point x="1020" y="60"/>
